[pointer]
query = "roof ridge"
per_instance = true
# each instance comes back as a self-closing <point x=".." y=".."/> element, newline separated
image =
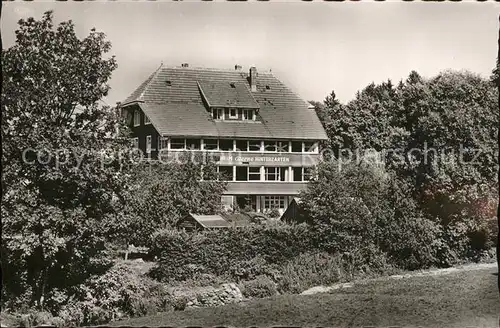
<point x="214" y="69"/>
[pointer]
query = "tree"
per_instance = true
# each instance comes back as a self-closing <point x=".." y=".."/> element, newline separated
<point x="61" y="174"/>
<point x="331" y="100"/>
<point x="365" y="122"/>
<point x="452" y="122"/>
<point x="344" y="208"/>
<point x="163" y="193"/>
<point x="429" y="131"/>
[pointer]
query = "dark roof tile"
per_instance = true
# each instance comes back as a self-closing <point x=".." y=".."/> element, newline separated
<point x="179" y="109"/>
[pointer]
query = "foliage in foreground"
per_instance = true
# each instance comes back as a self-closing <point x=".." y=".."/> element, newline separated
<point x="119" y="293"/>
<point x="61" y="177"/>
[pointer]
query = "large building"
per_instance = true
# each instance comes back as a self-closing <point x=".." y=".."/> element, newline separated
<point x="259" y="132"/>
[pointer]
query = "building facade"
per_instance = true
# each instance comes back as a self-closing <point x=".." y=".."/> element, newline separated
<point x="261" y="135"/>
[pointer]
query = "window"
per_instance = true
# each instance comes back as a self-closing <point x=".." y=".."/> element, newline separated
<point x="146" y="119"/>
<point x="269" y="145"/>
<point x="308" y="173"/>
<point x="217" y="113"/>
<point x="211" y="144"/>
<point x="232" y="113"/>
<point x="135" y="142"/>
<point x="248" y="115"/>
<point x="177" y="143"/>
<point x="193" y="144"/>
<point x="272" y="173"/>
<point x="226" y="173"/>
<point x="226" y="145"/>
<point x="297" y="174"/>
<point x="137" y="118"/>
<point x="274" y="202"/>
<point x="296" y="146"/>
<point x="232" y="85"/>
<point x="302" y="173"/>
<point x="241" y="173"/>
<point x="282" y="146"/>
<point x="283" y="171"/>
<point x="310" y="147"/>
<point x="241" y="145"/>
<point x="162" y="143"/>
<point x="254" y="145"/>
<point x="254" y="174"/>
<point x="148" y="144"/>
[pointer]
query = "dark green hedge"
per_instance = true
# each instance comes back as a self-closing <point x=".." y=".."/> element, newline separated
<point x="245" y="253"/>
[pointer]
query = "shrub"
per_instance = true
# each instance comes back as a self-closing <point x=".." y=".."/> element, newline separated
<point x="241" y="253"/>
<point x="251" y="269"/>
<point x="411" y="242"/>
<point x="274" y="213"/>
<point x="308" y="270"/>
<point x="119" y="293"/>
<point x="261" y="286"/>
<point x="180" y="303"/>
<point x="312" y="269"/>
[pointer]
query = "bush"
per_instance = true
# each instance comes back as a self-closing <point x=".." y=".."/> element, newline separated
<point x="411" y="242"/>
<point x="241" y="253"/>
<point x="180" y="303"/>
<point x="313" y="269"/>
<point x="119" y="293"/>
<point x="274" y="213"/>
<point x="261" y="286"/>
<point x="308" y="270"/>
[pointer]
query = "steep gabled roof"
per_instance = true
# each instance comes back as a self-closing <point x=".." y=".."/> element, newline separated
<point x="175" y="101"/>
<point x="139" y="92"/>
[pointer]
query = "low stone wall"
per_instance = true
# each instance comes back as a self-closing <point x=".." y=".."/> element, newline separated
<point x="208" y="296"/>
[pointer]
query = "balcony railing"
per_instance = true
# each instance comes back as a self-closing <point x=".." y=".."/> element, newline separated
<point x="264" y="188"/>
<point x="240" y="157"/>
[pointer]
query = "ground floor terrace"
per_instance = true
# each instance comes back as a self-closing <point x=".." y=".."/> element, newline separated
<point x="261" y="196"/>
<point x="257" y="203"/>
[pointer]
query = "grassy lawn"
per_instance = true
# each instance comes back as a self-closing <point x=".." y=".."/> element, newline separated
<point x="459" y="299"/>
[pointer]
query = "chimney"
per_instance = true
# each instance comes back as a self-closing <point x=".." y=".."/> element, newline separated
<point x="185" y="65"/>
<point x="237" y="67"/>
<point x="253" y="78"/>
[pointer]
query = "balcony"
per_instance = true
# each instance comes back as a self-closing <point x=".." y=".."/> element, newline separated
<point x="264" y="188"/>
<point x="242" y="158"/>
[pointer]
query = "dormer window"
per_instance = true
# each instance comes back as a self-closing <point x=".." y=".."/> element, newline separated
<point x="168" y="83"/>
<point x="217" y="113"/>
<point x="233" y="114"/>
<point x="232" y="85"/>
<point x="248" y="115"/>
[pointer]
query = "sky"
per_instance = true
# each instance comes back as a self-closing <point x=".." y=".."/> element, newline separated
<point x="313" y="47"/>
